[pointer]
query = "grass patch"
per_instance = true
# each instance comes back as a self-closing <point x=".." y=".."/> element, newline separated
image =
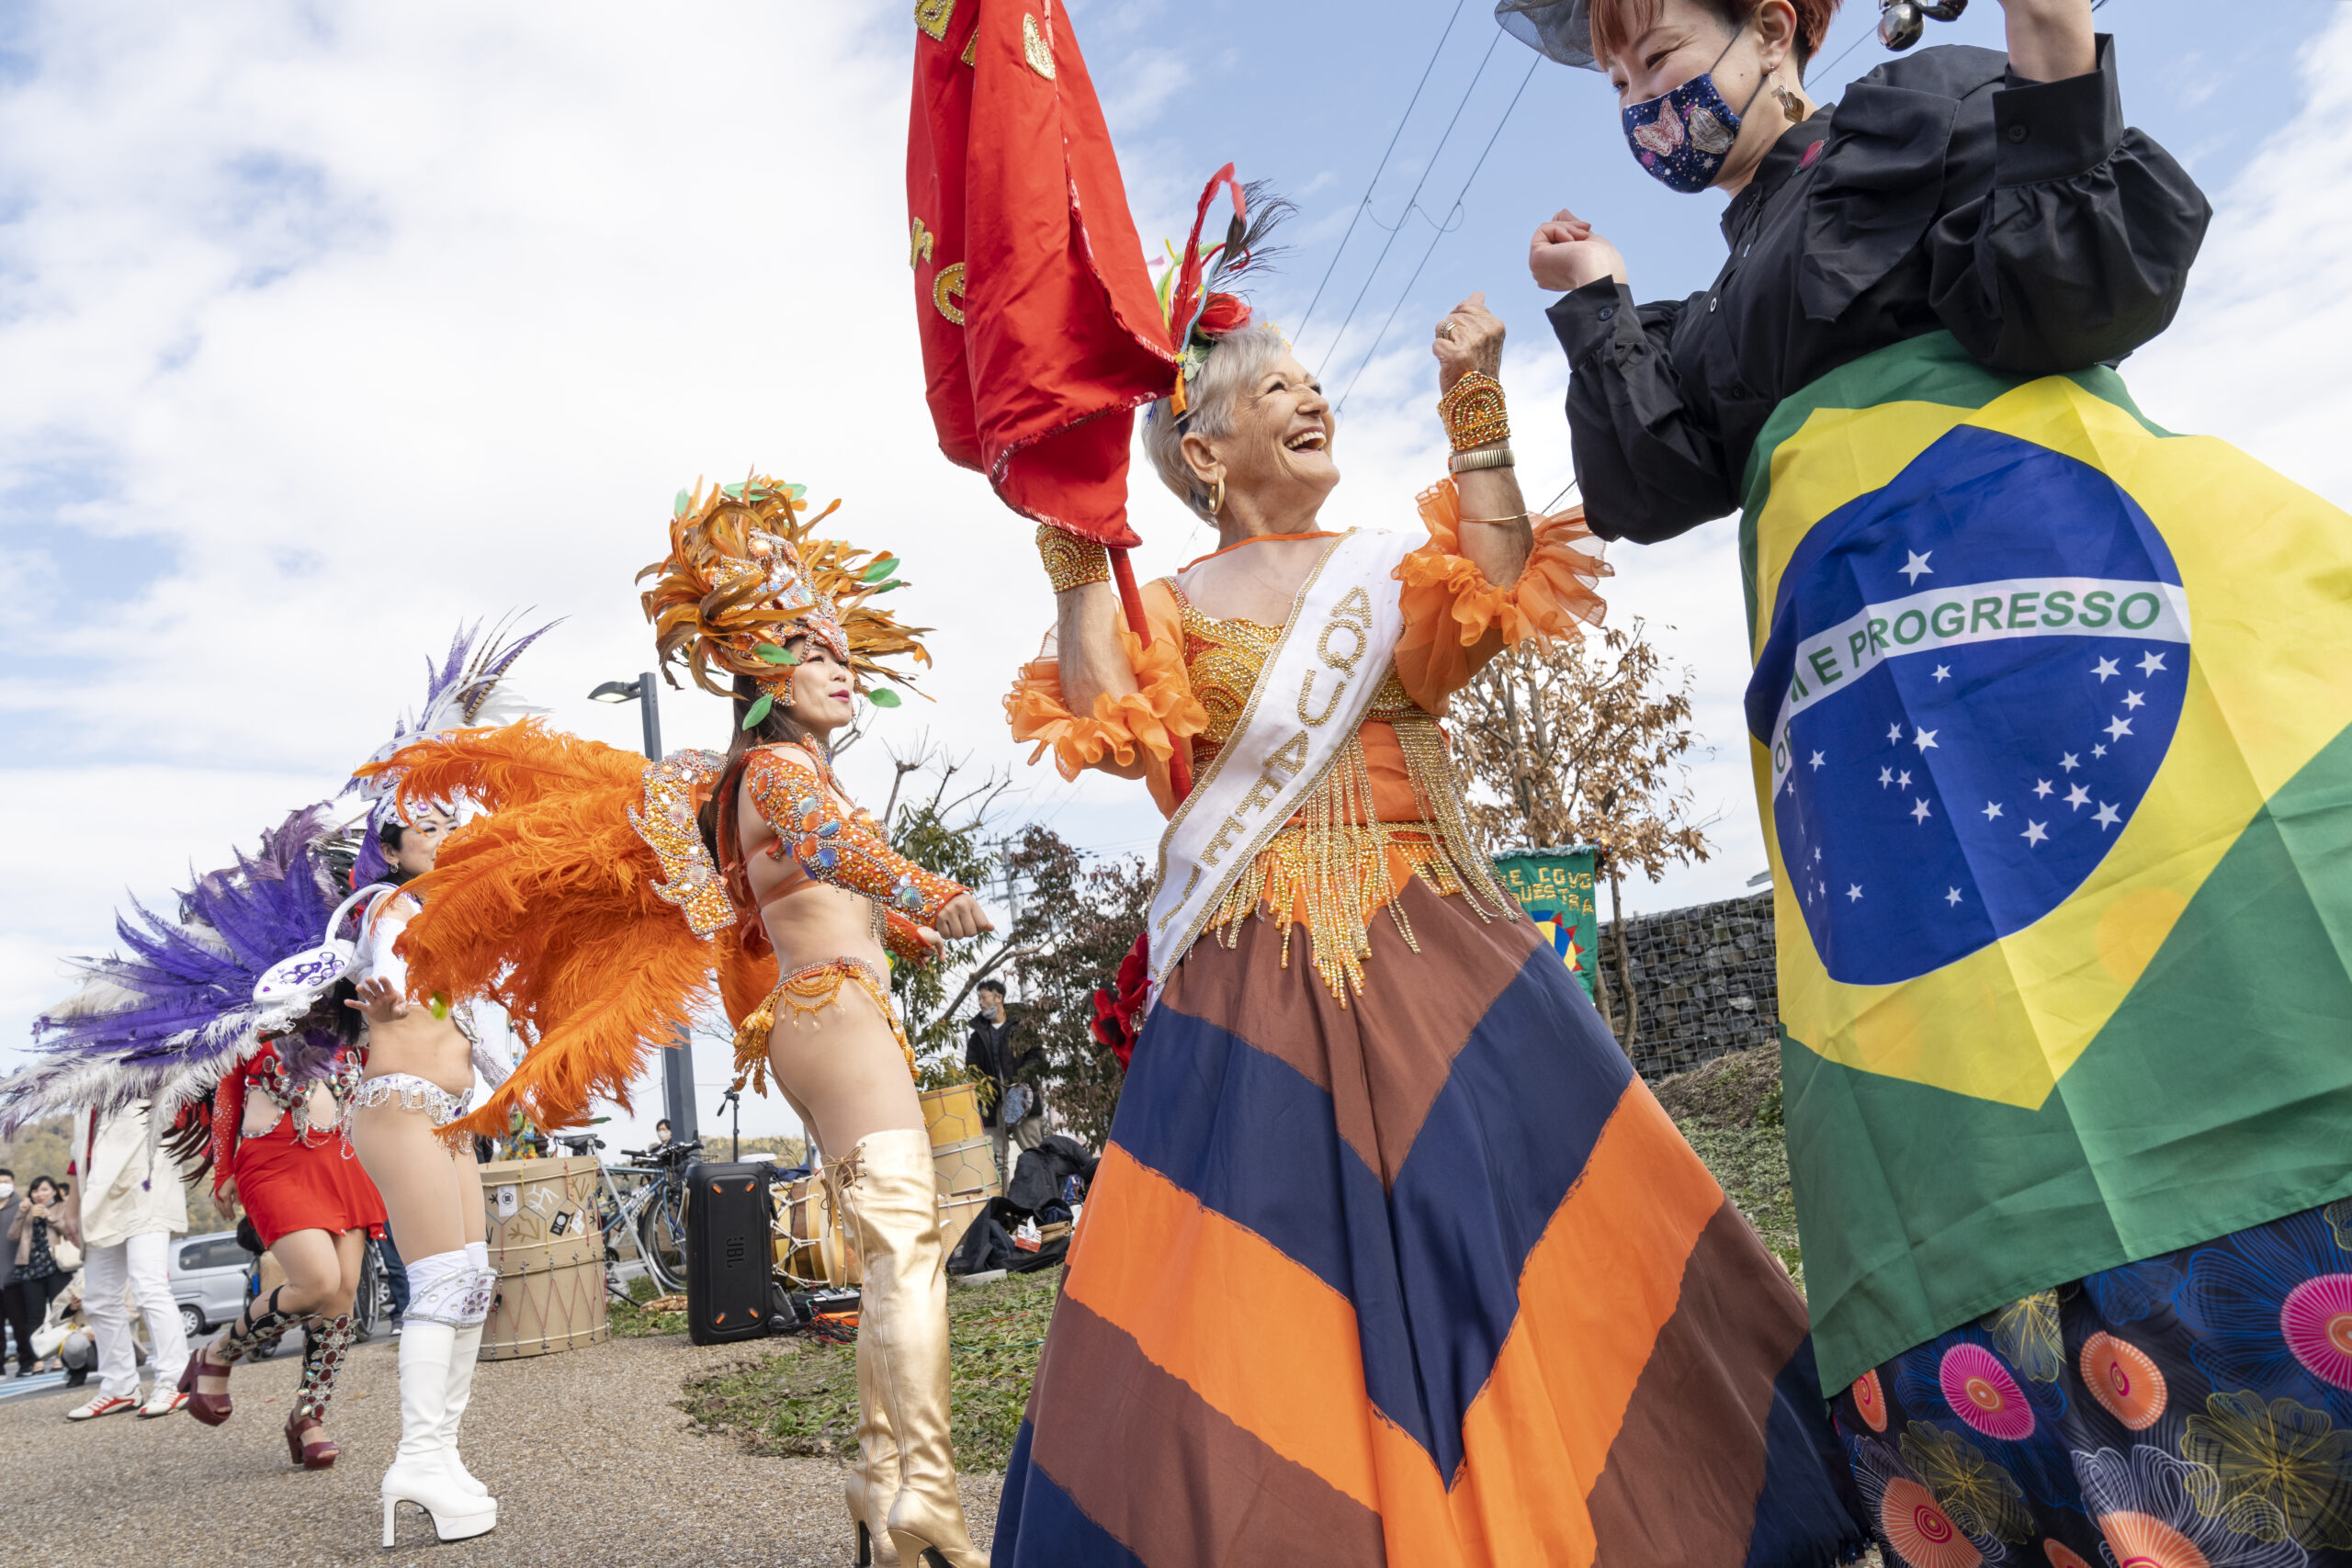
<point x="635" y="1321"/>
<point x="799" y="1396"/>
<point x="1730" y="1111"/>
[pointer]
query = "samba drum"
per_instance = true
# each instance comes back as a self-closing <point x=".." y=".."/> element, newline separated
<point x="811" y="1248"/>
<point x="963" y="1155"/>
<point x="545" y="1242"/>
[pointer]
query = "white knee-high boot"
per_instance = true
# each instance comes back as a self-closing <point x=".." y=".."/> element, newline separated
<point x="419" y="1474"/>
<point x="465" y="1355"/>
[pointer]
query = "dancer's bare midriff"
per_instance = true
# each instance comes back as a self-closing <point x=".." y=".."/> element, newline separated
<point x="840" y="1069"/>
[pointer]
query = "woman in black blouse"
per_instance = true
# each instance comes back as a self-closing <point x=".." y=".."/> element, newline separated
<point x="2063" y="992"/>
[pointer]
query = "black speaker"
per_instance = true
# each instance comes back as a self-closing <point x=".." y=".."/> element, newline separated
<point x="727" y="1251"/>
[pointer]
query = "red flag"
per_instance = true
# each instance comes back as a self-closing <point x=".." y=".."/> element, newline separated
<point x="1041" y="331"/>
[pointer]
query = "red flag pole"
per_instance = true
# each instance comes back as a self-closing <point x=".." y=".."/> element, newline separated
<point x="1180" y="771"/>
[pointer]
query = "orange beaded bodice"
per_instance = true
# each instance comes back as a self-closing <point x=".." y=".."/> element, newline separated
<point x="1389" y="811"/>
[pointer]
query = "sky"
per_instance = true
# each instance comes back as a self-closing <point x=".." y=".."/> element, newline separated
<point x="327" y="328"/>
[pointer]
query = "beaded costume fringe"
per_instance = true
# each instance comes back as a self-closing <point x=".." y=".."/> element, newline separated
<point x="1339" y="860"/>
<point x="805" y="993"/>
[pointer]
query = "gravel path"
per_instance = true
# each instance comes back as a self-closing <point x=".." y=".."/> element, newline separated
<point x="590" y="1459"/>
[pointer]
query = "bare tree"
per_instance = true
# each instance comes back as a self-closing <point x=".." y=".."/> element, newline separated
<point x="1583" y="743"/>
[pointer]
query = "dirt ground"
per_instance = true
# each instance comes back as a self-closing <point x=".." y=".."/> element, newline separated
<point x="591" y="1461"/>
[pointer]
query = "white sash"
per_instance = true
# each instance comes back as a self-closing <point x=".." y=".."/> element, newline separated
<point x="1314" y="691"/>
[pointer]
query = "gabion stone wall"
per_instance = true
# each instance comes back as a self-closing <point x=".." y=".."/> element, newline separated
<point x="1706" y="982"/>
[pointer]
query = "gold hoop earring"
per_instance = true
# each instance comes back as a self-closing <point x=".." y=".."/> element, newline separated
<point x="1216" y="496"/>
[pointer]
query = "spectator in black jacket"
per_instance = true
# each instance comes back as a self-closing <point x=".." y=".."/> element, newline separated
<point x="989" y="1052"/>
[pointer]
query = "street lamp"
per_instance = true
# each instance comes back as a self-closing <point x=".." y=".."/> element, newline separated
<point x="678" y="1062"/>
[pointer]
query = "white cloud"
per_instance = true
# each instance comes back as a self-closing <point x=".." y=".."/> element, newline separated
<point x="325" y="332"/>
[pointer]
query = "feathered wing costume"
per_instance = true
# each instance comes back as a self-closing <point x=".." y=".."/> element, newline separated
<point x="586" y="902"/>
<point x="189" y="1016"/>
<point x="583" y="900"/>
<point x="173" y="1013"/>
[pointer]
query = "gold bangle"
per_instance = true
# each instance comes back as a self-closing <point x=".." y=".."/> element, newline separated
<point x="1490" y="457"/>
<point x="1071" y="561"/>
<point x="1474" y="412"/>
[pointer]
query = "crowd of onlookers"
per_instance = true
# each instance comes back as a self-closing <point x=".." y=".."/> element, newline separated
<point x="40" y="1294"/>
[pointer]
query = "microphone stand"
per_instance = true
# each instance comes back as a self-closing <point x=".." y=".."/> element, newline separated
<point x="731" y="1102"/>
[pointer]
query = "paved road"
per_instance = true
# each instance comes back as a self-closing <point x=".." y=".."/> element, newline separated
<point x="590" y="1459"/>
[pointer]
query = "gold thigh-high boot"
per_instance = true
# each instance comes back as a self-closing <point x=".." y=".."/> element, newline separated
<point x="872" y="1484"/>
<point x="892" y="1198"/>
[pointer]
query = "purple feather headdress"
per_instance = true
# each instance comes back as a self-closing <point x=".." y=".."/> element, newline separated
<point x="167" y="1015"/>
<point x="462" y="694"/>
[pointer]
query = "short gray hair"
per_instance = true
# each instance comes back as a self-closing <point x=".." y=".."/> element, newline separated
<point x="1231" y="368"/>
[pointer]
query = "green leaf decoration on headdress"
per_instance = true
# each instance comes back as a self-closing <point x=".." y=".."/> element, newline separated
<point x="883" y="697"/>
<point x="776" y="655"/>
<point x="759" y="710"/>
<point x="678" y="508"/>
<point x="880" y="570"/>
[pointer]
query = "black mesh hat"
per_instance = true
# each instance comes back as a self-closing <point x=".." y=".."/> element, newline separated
<point x="1558" y="30"/>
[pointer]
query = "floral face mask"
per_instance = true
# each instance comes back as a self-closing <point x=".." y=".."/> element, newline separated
<point x="1682" y="136"/>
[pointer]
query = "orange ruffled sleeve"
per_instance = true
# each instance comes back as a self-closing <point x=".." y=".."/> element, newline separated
<point x="1149" y="724"/>
<point x="1455" y="620"/>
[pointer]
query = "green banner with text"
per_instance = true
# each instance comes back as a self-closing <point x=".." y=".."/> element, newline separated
<point x="1554" y="886"/>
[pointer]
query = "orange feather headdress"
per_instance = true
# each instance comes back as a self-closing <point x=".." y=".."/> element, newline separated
<point x="744" y="576"/>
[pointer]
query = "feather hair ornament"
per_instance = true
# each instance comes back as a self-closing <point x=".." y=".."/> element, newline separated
<point x="745" y="575"/>
<point x="547" y="904"/>
<point x="465" y="691"/>
<point x="1197" y="310"/>
<point x="170" y="1013"/>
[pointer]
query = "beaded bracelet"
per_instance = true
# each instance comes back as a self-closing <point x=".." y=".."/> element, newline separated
<point x="1488" y="458"/>
<point x="1474" y="412"/>
<point x="1071" y="561"/>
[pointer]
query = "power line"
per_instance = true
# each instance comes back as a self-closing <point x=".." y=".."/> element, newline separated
<point x="1366" y="204"/>
<point x="1443" y="229"/>
<point x="1414" y="200"/>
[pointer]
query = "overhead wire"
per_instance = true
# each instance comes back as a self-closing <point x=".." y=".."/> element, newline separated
<point x="1414" y="200"/>
<point x="1452" y="213"/>
<point x="1370" y="186"/>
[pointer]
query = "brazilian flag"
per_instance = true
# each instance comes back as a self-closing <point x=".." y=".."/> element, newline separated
<point x="2050" y="729"/>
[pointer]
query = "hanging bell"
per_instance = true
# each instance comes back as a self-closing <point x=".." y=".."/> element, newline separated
<point x="1899" y="24"/>
<point x="1943" y="10"/>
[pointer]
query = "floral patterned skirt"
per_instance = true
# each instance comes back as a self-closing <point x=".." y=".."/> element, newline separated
<point x="2193" y="1410"/>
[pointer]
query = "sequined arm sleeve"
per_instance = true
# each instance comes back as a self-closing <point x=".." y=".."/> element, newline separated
<point x="1455" y="620"/>
<point x="228" y="1117"/>
<point x="902" y="940"/>
<point x="834" y="849"/>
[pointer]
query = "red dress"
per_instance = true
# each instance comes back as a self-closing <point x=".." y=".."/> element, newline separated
<point x="296" y="1176"/>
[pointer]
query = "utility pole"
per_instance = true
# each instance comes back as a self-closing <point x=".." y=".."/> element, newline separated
<point x="678" y="1060"/>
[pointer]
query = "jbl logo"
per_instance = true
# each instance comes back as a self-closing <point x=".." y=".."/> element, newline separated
<point x="734" y="1249"/>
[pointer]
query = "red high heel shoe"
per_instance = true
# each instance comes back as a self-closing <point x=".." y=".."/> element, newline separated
<point x="307" y="1443"/>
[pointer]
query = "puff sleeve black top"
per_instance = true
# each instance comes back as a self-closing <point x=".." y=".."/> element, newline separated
<point x="1943" y="194"/>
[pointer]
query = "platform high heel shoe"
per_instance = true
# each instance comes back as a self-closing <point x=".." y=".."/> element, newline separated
<point x="206" y="1379"/>
<point x="307" y="1443"/>
<point x="892" y="1194"/>
<point x="421" y="1473"/>
<point x="872" y="1484"/>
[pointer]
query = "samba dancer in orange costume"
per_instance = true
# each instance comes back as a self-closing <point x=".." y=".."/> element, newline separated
<point x="595" y="897"/>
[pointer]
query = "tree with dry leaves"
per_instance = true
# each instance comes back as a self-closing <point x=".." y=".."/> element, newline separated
<point x="1583" y="742"/>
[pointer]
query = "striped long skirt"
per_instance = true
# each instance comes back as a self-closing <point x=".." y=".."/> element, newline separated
<point x="1428" y="1280"/>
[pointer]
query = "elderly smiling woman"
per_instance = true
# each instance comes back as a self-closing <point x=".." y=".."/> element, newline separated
<point x="1391" y="1257"/>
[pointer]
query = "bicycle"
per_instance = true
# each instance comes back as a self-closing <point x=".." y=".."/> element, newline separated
<point x="652" y="1216"/>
